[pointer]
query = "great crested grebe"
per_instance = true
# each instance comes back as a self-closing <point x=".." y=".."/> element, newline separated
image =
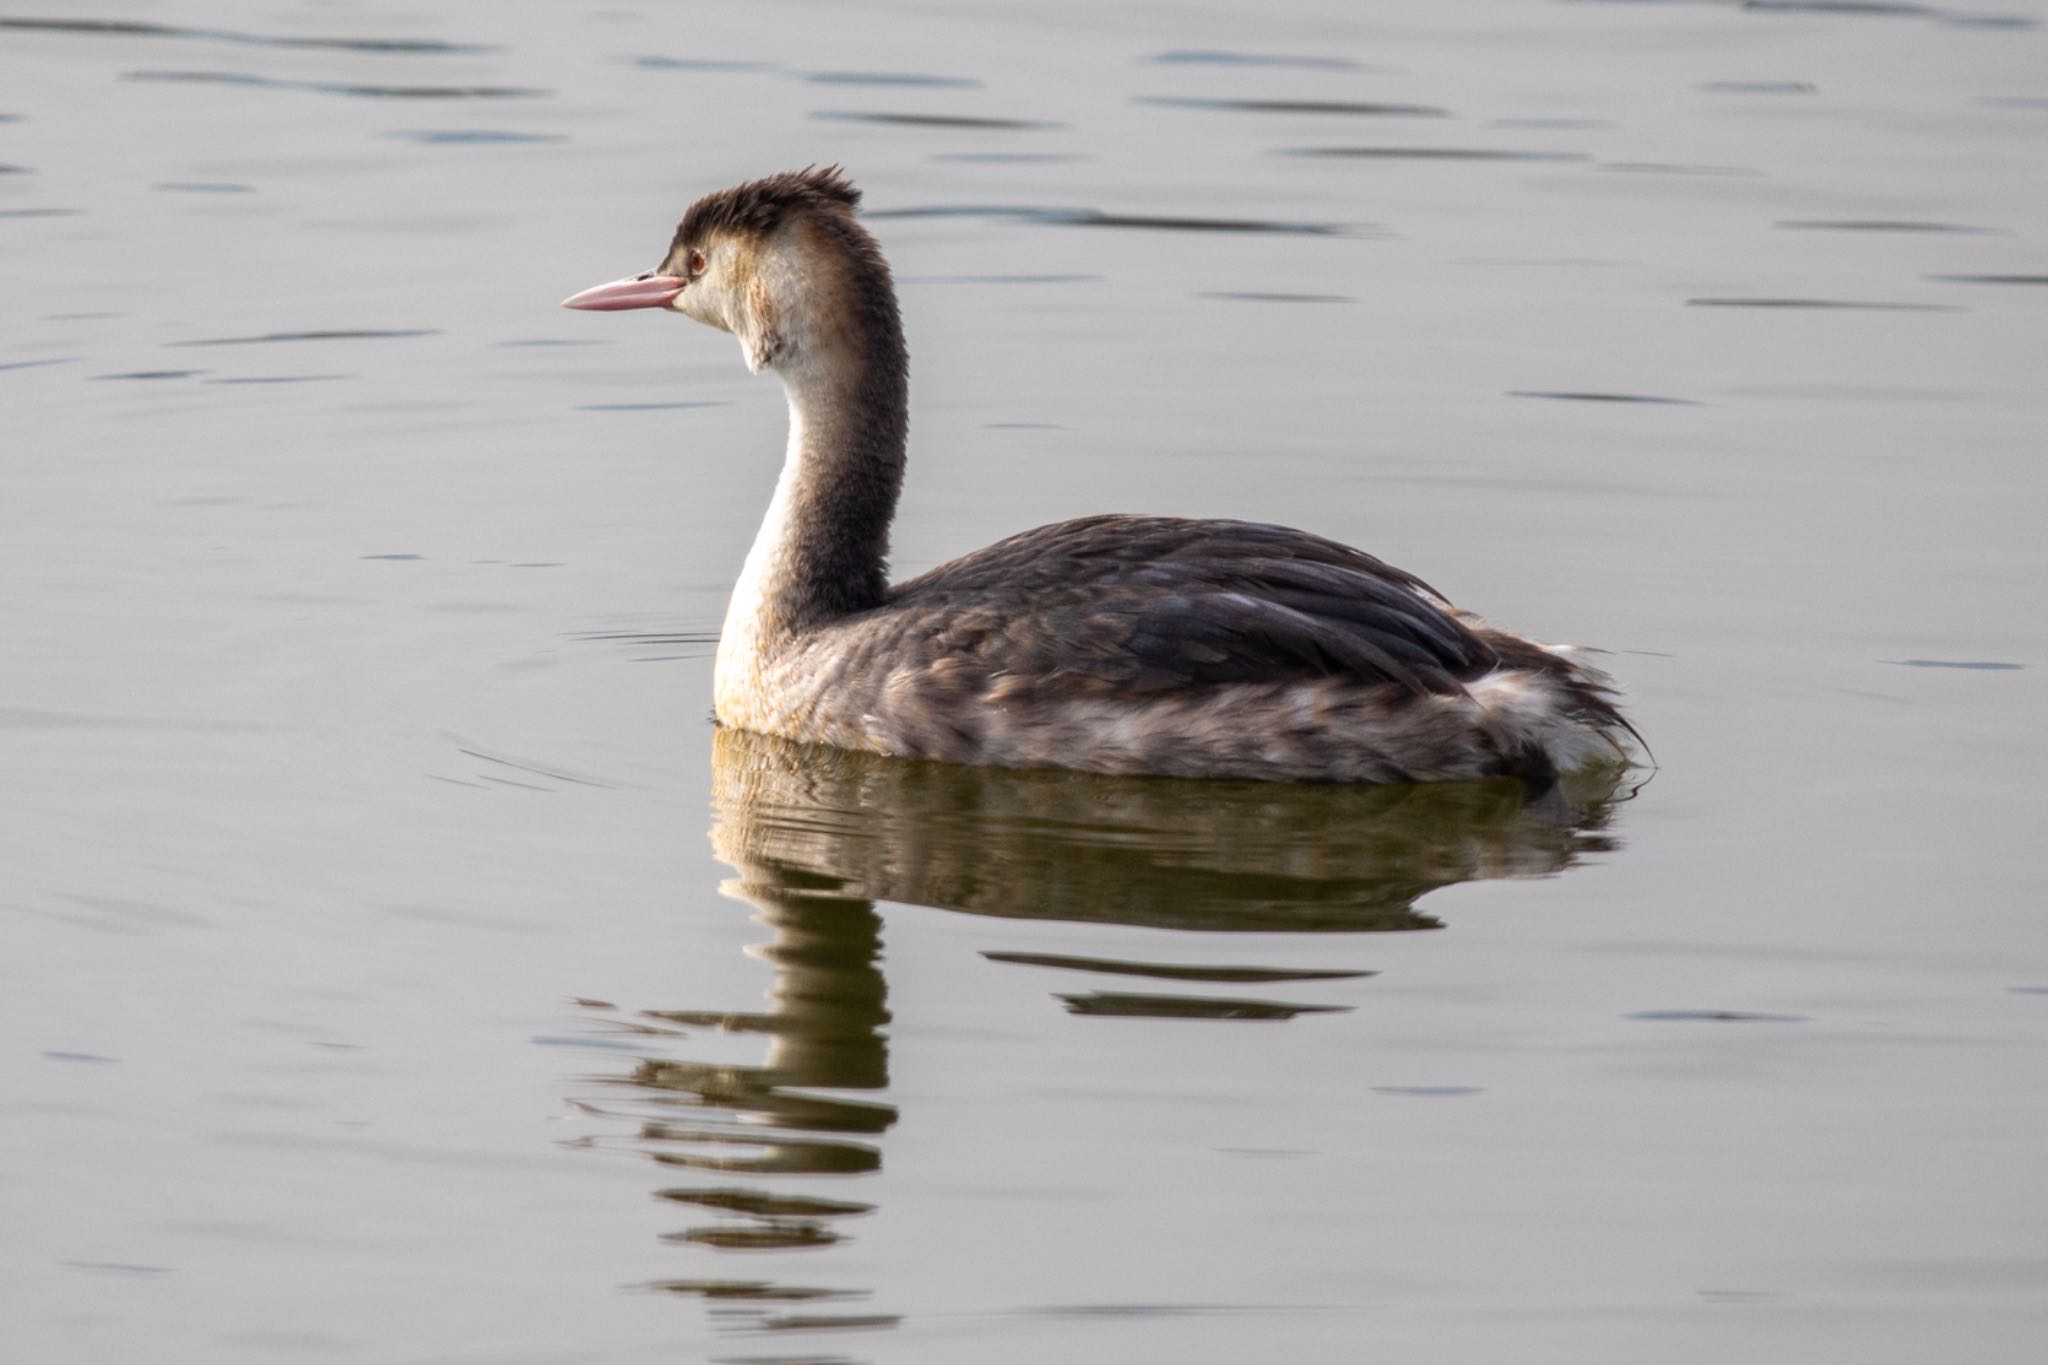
<point x="1111" y="644"/>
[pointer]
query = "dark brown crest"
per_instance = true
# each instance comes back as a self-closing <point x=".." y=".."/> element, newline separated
<point x="760" y="206"/>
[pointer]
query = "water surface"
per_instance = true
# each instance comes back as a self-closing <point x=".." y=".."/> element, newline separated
<point x="402" y="970"/>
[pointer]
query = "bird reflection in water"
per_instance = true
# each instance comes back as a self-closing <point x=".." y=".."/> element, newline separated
<point x="817" y="836"/>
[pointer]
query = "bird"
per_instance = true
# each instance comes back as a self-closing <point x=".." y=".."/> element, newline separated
<point x="1116" y="644"/>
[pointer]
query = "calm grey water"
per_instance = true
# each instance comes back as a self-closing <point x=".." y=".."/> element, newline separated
<point x="399" y="969"/>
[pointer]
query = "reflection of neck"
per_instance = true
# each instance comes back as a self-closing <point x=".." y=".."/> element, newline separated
<point x="821" y="551"/>
<point x="829" y="997"/>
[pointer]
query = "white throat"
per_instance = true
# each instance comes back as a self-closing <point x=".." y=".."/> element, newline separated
<point x="759" y="611"/>
<point x="820" y="553"/>
<point x="749" y="618"/>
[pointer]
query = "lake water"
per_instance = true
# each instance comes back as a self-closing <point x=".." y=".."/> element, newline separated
<point x="401" y="969"/>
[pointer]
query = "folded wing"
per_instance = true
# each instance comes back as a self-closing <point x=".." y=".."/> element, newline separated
<point x="1147" y="605"/>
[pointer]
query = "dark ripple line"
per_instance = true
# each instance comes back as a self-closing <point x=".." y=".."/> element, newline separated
<point x="1432" y="154"/>
<point x="1092" y="218"/>
<point x="1220" y="57"/>
<point x="1583" y="396"/>
<point x="751" y="1290"/>
<point x="1173" y="971"/>
<point x="1983" y="665"/>
<point x="1760" y="87"/>
<point x="820" y="1322"/>
<point x="931" y="120"/>
<point x="387" y="92"/>
<point x="1278" y="106"/>
<point x="892" y="78"/>
<point x="1892" y="9"/>
<point x="471" y="137"/>
<point x="1715" y="1017"/>
<point x="1990" y="279"/>
<point x="134" y="28"/>
<point x="553" y="774"/>
<point x="687" y="637"/>
<point x="1835" y="304"/>
<point x="1879" y="7"/>
<point x="652" y="61"/>
<point x="280" y="379"/>
<point x="1098" y="218"/>
<point x="1145" y="1005"/>
<point x="307" y="336"/>
<point x="1884" y="225"/>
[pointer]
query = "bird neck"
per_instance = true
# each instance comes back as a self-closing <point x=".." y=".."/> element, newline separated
<point x="822" y="550"/>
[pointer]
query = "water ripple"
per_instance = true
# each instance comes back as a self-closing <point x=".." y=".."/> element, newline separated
<point x="1882" y="225"/>
<point x="386" y="92"/>
<point x="1137" y="1005"/>
<point x="892" y="78"/>
<point x="1069" y="217"/>
<point x="135" y="28"/>
<point x="1278" y="106"/>
<point x="1760" y="87"/>
<point x="1839" y="304"/>
<point x="1433" y="154"/>
<point x="1991" y="279"/>
<point x="1221" y="57"/>
<point x="356" y="335"/>
<point x="1981" y="665"/>
<point x="931" y="120"/>
<point x="1175" y="972"/>
<point x="1715" y="1017"/>
<point x="1586" y="396"/>
<point x="470" y="136"/>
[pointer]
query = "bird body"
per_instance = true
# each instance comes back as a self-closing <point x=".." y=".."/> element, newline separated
<point x="1110" y="644"/>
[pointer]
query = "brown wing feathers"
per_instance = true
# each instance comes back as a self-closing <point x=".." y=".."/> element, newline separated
<point x="1152" y="604"/>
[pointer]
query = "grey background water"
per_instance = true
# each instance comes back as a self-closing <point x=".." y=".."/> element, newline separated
<point x="357" y="605"/>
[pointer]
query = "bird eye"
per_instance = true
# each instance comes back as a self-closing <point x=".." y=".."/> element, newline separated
<point x="696" y="263"/>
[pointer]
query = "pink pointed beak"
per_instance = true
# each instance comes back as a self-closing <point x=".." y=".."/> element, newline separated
<point x="642" y="291"/>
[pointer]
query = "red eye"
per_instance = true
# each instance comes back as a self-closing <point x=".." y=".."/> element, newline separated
<point x="696" y="263"/>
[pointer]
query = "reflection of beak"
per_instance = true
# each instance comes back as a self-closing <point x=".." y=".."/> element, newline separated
<point x="642" y="291"/>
